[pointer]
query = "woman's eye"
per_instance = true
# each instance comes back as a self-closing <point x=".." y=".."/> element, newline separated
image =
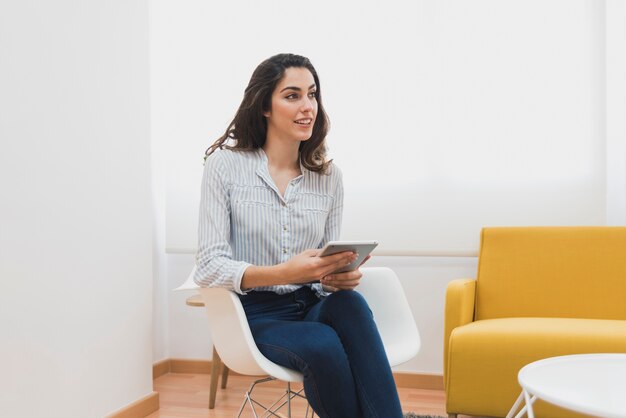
<point x="294" y="96"/>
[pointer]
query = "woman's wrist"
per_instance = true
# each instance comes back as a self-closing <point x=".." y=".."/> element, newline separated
<point x="258" y="276"/>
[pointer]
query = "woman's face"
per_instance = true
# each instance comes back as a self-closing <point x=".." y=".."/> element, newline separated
<point x="294" y="106"/>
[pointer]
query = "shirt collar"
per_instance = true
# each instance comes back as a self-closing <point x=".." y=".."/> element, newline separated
<point x="263" y="167"/>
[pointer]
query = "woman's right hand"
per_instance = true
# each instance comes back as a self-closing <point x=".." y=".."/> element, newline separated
<point x="307" y="266"/>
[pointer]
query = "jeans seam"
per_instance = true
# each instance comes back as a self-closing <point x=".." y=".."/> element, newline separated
<point x="355" y="375"/>
<point x="314" y="383"/>
<point x="330" y="323"/>
<point x="365" y="397"/>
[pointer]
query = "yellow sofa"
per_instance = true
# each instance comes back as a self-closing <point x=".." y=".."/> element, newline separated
<point x="540" y="292"/>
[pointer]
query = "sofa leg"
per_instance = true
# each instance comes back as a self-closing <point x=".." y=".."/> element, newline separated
<point x="451" y="415"/>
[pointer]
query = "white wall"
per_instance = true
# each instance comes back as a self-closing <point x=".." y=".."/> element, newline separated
<point x="75" y="234"/>
<point x="489" y="112"/>
<point x="424" y="278"/>
<point x="160" y="349"/>
<point x="615" y="69"/>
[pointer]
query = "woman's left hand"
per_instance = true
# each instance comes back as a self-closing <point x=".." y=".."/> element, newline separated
<point x="343" y="281"/>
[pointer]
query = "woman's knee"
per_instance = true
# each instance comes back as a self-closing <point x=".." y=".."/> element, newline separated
<point x="348" y="302"/>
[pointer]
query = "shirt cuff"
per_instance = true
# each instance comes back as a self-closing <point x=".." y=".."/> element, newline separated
<point x="319" y="290"/>
<point x="239" y="276"/>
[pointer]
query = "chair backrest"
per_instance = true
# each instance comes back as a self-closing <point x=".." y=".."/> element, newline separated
<point x="569" y="272"/>
<point x="385" y="296"/>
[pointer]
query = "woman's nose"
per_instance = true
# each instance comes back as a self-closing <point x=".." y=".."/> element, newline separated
<point x="307" y="104"/>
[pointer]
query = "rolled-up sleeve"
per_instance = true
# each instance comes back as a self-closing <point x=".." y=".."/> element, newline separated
<point x="215" y="266"/>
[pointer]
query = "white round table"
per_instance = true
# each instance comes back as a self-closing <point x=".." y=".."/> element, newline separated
<point x="593" y="384"/>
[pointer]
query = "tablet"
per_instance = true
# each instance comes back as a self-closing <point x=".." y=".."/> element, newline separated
<point x="362" y="248"/>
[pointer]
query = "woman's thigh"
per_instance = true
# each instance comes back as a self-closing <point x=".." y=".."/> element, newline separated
<point x="345" y="307"/>
<point x="299" y="344"/>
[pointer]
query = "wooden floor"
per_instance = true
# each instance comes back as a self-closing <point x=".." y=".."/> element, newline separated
<point x="187" y="396"/>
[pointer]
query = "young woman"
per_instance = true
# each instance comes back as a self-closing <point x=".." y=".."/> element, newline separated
<point x="270" y="200"/>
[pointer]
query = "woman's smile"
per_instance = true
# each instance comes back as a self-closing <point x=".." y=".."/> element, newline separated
<point x="304" y="123"/>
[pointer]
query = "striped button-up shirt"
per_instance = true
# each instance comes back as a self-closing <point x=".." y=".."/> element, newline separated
<point x="244" y="220"/>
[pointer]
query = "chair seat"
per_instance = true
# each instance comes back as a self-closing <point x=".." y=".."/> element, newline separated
<point x="496" y="349"/>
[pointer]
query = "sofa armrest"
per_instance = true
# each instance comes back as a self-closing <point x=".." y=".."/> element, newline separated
<point x="459" y="310"/>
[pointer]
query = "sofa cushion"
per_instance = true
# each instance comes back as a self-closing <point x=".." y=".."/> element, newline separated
<point x="564" y="272"/>
<point x="494" y="350"/>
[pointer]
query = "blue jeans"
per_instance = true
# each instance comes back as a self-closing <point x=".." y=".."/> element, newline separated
<point x="334" y="343"/>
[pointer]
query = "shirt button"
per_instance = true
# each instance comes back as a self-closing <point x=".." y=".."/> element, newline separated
<point x="284" y="251"/>
<point x="284" y="227"/>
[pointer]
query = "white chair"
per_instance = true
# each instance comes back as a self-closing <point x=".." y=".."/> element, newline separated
<point x="381" y="288"/>
<point x="233" y="340"/>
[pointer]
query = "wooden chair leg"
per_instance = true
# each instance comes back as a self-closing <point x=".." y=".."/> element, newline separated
<point x="215" y="372"/>
<point x="224" y="375"/>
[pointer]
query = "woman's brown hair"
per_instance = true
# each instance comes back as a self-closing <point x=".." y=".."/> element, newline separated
<point x="249" y="127"/>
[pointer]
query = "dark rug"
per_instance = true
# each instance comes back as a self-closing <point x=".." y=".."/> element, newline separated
<point x="412" y="415"/>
